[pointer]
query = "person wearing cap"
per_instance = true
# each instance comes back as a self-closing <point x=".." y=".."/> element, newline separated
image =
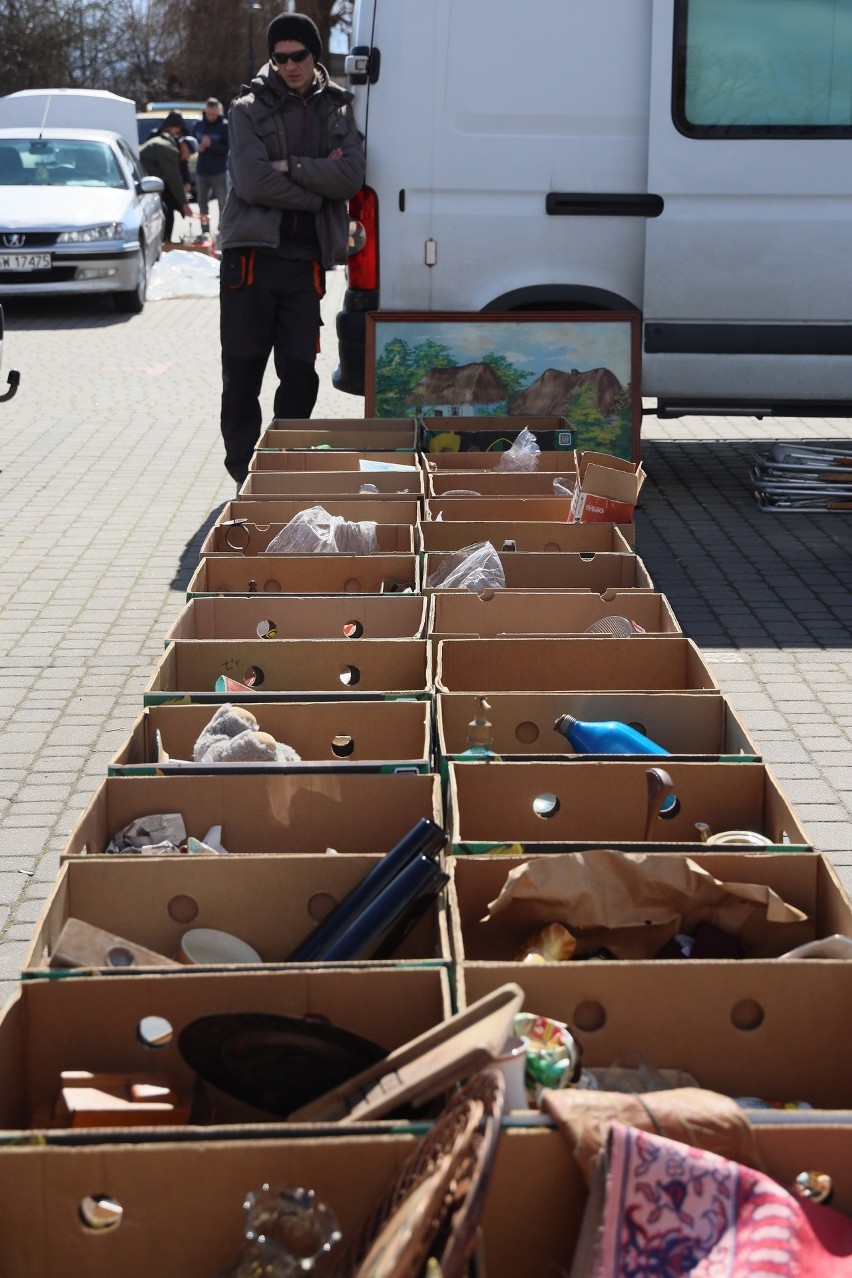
<point x="211" y="179"/>
<point x="295" y="159"/>
<point x="161" y="157"/>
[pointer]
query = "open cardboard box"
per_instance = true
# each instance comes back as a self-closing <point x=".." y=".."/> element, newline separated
<point x="495" y="483"/>
<point x="270" y="485"/>
<point x="303" y="617"/>
<point x="376" y="736"/>
<point x="245" y="538"/>
<point x="806" y="880"/>
<point x="763" y="1028"/>
<point x="331" y="460"/>
<point x="597" y="571"/>
<point x="687" y="726"/>
<point x="557" y="807"/>
<point x="277" y="669"/>
<point x="454" y="435"/>
<point x="306" y="812"/>
<point x="465" y="463"/>
<point x="607" y="488"/>
<point x="590" y="663"/>
<point x="271" y="902"/>
<point x="98" y="1023"/>
<point x="305" y="575"/>
<point x="553" y="535"/>
<point x="281" y="510"/>
<point x="458" y="613"/>
<point x="517" y="509"/>
<point x="340" y="432"/>
<point x="182" y="1203"/>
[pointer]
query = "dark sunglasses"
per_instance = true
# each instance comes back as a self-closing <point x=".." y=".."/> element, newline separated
<point x="281" y="59"/>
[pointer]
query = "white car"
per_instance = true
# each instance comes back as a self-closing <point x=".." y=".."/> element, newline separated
<point x="78" y="214"/>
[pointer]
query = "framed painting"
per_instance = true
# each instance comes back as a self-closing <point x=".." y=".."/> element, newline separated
<point x="576" y="374"/>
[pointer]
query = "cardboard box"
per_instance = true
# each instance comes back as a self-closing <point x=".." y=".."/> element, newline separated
<point x="380" y="510"/>
<point x="375" y="736"/>
<point x="305" y="575"/>
<point x="456" y="613"/>
<point x="551" y="806"/>
<point x="493" y="483"/>
<point x="690" y="727"/>
<point x="590" y="663"/>
<point x="464" y="463"/>
<point x="273" y="485"/>
<point x="805" y="880"/>
<point x="308" y="812"/>
<point x="770" y="1031"/>
<point x="276" y="669"/>
<point x="480" y="434"/>
<point x="596" y="571"/>
<point x="523" y="536"/>
<point x="607" y="488"/>
<point x="182" y="1203"/>
<point x="515" y="509"/>
<point x="303" y="617"/>
<point x="96" y="1023"/>
<point x="331" y="460"/>
<point x="271" y="902"/>
<point x="243" y="537"/>
<point x="398" y="434"/>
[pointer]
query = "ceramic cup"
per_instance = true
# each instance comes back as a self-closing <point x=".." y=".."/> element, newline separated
<point x="512" y="1063"/>
<point x="208" y="945"/>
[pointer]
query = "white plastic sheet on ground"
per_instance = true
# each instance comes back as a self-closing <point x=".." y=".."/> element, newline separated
<point x="182" y="273"/>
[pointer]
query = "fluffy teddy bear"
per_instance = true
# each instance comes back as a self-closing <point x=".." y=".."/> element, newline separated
<point x="233" y="736"/>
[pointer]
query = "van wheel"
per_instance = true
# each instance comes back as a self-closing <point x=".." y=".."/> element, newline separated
<point x="132" y="301"/>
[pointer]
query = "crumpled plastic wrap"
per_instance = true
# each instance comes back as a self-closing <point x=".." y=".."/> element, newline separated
<point x="315" y="531"/>
<point x="475" y="567"/>
<point x="523" y="455"/>
<point x="563" y="487"/>
<point x="162" y="832"/>
<point x="183" y="273"/>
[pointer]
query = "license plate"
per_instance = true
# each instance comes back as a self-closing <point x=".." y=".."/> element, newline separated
<point x="25" y="262"/>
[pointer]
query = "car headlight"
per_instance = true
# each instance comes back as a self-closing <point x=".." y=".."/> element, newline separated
<point x="91" y="234"/>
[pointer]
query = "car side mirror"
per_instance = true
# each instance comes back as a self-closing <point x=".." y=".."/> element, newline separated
<point x="150" y="186"/>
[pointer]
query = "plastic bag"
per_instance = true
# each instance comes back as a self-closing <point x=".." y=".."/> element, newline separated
<point x="183" y="274"/>
<point x="562" y="487"/>
<point x="315" y="531"/>
<point x="523" y="455"/>
<point x="476" y="568"/>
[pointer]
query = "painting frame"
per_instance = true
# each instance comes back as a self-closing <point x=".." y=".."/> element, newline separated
<point x="555" y="335"/>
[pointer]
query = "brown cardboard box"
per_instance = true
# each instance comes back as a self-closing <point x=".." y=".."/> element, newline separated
<point x="331" y="460"/>
<point x="607" y="488"/>
<point x="516" y="509"/>
<point x="273" y="485"/>
<point x="523" y="536"/>
<point x="376" y="736"/>
<point x="465" y="463"/>
<point x="271" y="902"/>
<point x="493" y="483"/>
<point x="303" y="617"/>
<point x="305" y="812"/>
<point x="549" y="806"/>
<point x="454" y="435"/>
<point x="280" y="668"/>
<point x="457" y="613"/>
<point x="591" y="663"/>
<point x="242" y="537"/>
<point x="544" y="571"/>
<point x="281" y="510"/>
<point x="182" y="1203"/>
<point x="770" y="1030"/>
<point x="340" y="432"/>
<point x="688" y="726"/>
<point x="95" y="1023"/>
<point x="805" y="880"/>
<point x="304" y="575"/>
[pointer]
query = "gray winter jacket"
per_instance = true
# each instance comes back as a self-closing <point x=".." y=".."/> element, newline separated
<point x="270" y="122"/>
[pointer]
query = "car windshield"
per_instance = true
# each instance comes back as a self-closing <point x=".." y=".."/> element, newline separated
<point x="51" y="162"/>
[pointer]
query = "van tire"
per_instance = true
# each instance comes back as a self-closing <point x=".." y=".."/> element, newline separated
<point x="132" y="301"/>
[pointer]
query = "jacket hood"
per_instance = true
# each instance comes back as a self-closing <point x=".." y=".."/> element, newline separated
<point x="268" y="86"/>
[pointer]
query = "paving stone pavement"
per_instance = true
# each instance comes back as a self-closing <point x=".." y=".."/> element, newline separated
<point x="111" y="474"/>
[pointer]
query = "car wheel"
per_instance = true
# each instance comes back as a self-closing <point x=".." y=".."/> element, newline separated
<point x="132" y="301"/>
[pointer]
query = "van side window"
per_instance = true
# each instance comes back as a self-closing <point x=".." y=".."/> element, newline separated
<point x="763" y="68"/>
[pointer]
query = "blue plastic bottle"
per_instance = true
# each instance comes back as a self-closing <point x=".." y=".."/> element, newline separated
<point x="609" y="737"/>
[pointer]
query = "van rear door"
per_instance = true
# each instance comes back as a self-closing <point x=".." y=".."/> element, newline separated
<point x="747" y="295"/>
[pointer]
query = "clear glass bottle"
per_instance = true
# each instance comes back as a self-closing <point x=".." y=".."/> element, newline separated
<point x="287" y="1231"/>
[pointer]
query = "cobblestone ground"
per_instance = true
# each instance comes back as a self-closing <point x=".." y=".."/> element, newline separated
<point x="112" y="474"/>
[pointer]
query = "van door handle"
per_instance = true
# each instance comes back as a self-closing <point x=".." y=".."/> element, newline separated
<point x="602" y="204"/>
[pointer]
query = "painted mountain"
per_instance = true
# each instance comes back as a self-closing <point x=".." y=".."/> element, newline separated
<point x="552" y="393"/>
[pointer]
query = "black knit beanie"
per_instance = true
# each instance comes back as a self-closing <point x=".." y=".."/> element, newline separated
<point x="294" y="26"/>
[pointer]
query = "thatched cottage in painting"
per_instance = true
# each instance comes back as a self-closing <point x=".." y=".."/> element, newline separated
<point x="457" y="392"/>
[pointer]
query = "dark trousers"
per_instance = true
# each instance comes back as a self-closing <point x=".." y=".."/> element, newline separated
<point x="267" y="305"/>
<point x="169" y="208"/>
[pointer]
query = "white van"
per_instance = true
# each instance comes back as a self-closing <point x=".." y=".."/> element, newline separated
<point x="689" y="161"/>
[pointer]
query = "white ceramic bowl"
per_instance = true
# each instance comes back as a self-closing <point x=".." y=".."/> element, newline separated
<point x="209" y="945"/>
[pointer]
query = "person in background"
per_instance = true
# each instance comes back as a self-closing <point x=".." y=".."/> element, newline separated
<point x="211" y="179"/>
<point x="295" y="159"/>
<point x="161" y="157"/>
